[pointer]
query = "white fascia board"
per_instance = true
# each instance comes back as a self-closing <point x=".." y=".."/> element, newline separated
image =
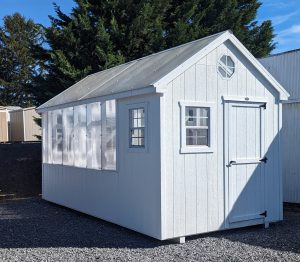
<point x="283" y="93"/>
<point x="131" y="93"/>
<point x="162" y="83"/>
<point x="245" y="99"/>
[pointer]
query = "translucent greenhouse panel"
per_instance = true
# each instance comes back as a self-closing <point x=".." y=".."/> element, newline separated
<point x="49" y="137"/>
<point x="68" y="136"/>
<point x="80" y="136"/>
<point x="94" y="135"/>
<point x="45" y="137"/>
<point x="109" y="135"/>
<point x="57" y="136"/>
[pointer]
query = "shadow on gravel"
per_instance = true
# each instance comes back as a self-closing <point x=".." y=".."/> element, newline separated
<point x="37" y="223"/>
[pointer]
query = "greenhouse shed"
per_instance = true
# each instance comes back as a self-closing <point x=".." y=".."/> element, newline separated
<point x="177" y="143"/>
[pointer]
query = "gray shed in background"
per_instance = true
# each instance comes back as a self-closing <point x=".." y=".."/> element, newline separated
<point x="3" y="125"/>
<point x="285" y="67"/>
<point x="5" y="122"/>
<point x="22" y="127"/>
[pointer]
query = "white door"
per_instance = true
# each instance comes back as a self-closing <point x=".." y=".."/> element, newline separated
<point x="244" y="161"/>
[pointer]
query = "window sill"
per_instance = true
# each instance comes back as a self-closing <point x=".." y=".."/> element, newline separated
<point x="196" y="149"/>
<point x="137" y="149"/>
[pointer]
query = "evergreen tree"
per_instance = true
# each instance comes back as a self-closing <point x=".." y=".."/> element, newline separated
<point x="20" y="43"/>
<point x="193" y="19"/>
<point x="101" y="34"/>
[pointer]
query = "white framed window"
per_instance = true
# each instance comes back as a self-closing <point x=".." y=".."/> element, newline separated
<point x="79" y="148"/>
<point x="197" y="127"/>
<point x="94" y="135"/>
<point x="109" y="139"/>
<point x="137" y="127"/>
<point x="45" y="137"/>
<point x="57" y="137"/>
<point x="49" y="138"/>
<point x="68" y="135"/>
<point x="82" y="136"/>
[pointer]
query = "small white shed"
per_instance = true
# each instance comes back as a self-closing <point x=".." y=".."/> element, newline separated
<point x="177" y="143"/>
<point x="285" y="67"/>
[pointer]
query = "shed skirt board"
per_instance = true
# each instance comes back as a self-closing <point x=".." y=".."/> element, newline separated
<point x="99" y="217"/>
<point x="244" y="151"/>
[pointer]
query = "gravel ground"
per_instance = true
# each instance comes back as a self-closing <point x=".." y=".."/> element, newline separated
<point x="35" y="230"/>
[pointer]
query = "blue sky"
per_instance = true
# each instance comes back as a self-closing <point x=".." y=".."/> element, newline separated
<point x="285" y="15"/>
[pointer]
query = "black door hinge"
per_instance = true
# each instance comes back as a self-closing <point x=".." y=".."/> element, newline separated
<point x="265" y="159"/>
<point x="264" y="106"/>
<point x="264" y="214"/>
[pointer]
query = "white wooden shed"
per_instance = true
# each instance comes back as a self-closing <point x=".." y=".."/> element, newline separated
<point x="285" y="67"/>
<point x="177" y="143"/>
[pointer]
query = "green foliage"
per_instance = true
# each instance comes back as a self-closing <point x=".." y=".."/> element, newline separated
<point x="20" y="42"/>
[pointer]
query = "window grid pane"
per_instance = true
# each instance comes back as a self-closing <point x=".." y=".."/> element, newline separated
<point x="137" y="127"/>
<point x="197" y="126"/>
<point x="80" y="137"/>
<point x="109" y="142"/>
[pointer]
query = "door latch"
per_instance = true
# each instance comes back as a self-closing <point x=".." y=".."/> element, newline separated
<point x="232" y="162"/>
<point x="264" y="214"/>
<point x="264" y="106"/>
<point x="265" y="159"/>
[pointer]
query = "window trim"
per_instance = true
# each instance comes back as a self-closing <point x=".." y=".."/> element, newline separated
<point x="211" y="127"/>
<point x="129" y="107"/>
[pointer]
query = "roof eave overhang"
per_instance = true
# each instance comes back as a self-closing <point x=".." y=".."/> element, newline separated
<point x="126" y="94"/>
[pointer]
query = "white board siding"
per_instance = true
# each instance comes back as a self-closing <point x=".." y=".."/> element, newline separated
<point x="193" y="189"/>
<point x="290" y="147"/>
<point x="129" y="197"/>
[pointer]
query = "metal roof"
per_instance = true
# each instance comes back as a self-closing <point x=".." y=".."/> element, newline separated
<point x="285" y="68"/>
<point x="130" y="76"/>
<point x="283" y="53"/>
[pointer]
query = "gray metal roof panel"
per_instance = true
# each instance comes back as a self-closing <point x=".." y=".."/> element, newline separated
<point x="133" y="75"/>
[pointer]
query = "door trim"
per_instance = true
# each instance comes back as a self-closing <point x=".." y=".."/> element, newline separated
<point x="228" y="101"/>
<point x="245" y="99"/>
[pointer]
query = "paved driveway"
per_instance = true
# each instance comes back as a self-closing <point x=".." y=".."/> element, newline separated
<point x="34" y="230"/>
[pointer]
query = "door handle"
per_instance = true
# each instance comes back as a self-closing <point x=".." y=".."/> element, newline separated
<point x="265" y="213"/>
<point x="232" y="162"/>
<point x="265" y="159"/>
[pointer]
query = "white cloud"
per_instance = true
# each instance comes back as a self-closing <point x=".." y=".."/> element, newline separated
<point x="294" y="29"/>
<point x="288" y="38"/>
<point x="277" y="20"/>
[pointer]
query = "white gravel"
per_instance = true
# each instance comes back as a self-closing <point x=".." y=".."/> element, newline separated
<point x="35" y="230"/>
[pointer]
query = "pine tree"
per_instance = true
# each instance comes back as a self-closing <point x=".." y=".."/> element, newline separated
<point x="79" y="45"/>
<point x="193" y="19"/>
<point x="101" y="34"/>
<point x="20" y="41"/>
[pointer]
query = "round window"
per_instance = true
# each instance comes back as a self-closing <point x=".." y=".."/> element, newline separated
<point x="226" y="66"/>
